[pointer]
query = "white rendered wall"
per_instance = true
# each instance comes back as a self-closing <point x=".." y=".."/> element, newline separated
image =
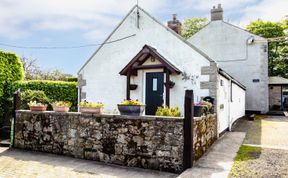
<point x="223" y="104"/>
<point x="104" y="83"/>
<point x="229" y="111"/>
<point x="237" y="106"/>
<point x="227" y="45"/>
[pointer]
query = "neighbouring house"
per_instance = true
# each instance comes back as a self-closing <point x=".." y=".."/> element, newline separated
<point x="278" y="94"/>
<point x="146" y="60"/>
<point x="240" y="53"/>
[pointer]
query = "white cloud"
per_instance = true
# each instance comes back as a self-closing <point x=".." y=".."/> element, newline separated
<point x="268" y="10"/>
<point x="96" y="35"/>
<point x="208" y="4"/>
<point x="20" y="18"/>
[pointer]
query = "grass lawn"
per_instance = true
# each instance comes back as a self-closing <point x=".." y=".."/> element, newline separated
<point x="240" y="166"/>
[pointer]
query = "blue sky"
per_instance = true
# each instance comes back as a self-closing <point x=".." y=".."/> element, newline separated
<point x="74" y="22"/>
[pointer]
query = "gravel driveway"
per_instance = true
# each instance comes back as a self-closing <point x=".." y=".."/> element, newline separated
<point x="265" y="149"/>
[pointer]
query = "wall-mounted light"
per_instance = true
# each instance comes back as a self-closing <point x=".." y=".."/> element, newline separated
<point x="250" y="40"/>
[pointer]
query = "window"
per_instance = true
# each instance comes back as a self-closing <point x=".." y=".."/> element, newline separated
<point x="154" y="84"/>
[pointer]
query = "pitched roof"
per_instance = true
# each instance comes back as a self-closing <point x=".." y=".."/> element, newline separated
<point x="229" y="77"/>
<point x="277" y="80"/>
<point x="167" y="28"/>
<point x="143" y="55"/>
<point x="231" y="25"/>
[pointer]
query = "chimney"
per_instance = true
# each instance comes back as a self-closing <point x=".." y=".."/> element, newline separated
<point x="175" y="24"/>
<point x="217" y="13"/>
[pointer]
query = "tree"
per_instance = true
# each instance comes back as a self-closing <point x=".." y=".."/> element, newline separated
<point x="30" y="67"/>
<point x="193" y="25"/>
<point x="266" y="29"/>
<point x="276" y="32"/>
<point x="33" y="72"/>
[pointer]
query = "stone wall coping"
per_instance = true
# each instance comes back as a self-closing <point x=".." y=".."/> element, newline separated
<point x="114" y="116"/>
<point x="204" y="117"/>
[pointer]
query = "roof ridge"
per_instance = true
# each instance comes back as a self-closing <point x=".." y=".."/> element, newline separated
<point x="179" y="37"/>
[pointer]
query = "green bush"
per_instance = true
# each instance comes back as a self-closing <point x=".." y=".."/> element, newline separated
<point x="33" y="95"/>
<point x="11" y="69"/>
<point x="72" y="79"/>
<point x="166" y="111"/>
<point x="54" y="90"/>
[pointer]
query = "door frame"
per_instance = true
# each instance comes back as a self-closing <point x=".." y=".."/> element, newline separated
<point x="144" y="72"/>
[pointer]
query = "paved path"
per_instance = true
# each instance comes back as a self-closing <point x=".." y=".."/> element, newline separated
<point x="16" y="163"/>
<point x="218" y="160"/>
<point x="19" y="163"/>
<point x="271" y="132"/>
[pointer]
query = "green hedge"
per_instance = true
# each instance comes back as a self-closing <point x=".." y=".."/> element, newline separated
<point x="54" y="90"/>
<point x="11" y="69"/>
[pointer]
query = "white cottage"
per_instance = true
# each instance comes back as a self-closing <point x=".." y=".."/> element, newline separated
<point x="145" y="60"/>
<point x="240" y="53"/>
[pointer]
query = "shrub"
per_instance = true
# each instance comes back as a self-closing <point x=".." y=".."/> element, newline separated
<point x="131" y="102"/>
<point x="11" y="69"/>
<point x="34" y="103"/>
<point x="35" y="96"/>
<point x="207" y="107"/>
<point x="62" y="103"/>
<point x="72" y="79"/>
<point x="90" y="104"/>
<point x="54" y="90"/>
<point x="166" y="111"/>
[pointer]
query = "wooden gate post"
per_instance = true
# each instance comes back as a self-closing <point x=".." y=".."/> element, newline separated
<point x="16" y="106"/>
<point x="188" y="156"/>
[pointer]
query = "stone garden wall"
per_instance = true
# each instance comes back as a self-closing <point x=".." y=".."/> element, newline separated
<point x="145" y="141"/>
<point x="204" y="134"/>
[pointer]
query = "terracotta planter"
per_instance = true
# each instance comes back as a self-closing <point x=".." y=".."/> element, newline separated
<point x="60" y="109"/>
<point x="94" y="110"/>
<point x="131" y="110"/>
<point x="38" y="108"/>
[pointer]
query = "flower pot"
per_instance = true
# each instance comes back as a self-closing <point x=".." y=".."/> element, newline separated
<point x="133" y="86"/>
<point x="60" y="108"/>
<point x="38" y="108"/>
<point x="131" y="110"/>
<point x="198" y="111"/>
<point x="170" y="84"/>
<point x="94" y="110"/>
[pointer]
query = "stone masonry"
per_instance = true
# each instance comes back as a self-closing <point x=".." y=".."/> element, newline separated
<point x="205" y="133"/>
<point x="146" y="141"/>
<point x="151" y="142"/>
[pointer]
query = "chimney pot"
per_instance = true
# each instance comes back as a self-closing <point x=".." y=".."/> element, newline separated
<point x="217" y="13"/>
<point x="175" y="24"/>
<point x="174" y="17"/>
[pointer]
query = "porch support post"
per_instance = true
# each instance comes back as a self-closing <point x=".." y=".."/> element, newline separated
<point x="128" y="85"/>
<point x="167" y="88"/>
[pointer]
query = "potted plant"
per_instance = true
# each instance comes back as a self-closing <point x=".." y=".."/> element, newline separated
<point x="61" y="106"/>
<point x="131" y="108"/>
<point x="201" y="108"/>
<point x="34" y="106"/>
<point x="166" y="111"/>
<point x="90" y="107"/>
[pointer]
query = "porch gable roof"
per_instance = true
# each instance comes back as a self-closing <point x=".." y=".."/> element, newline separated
<point x="146" y="52"/>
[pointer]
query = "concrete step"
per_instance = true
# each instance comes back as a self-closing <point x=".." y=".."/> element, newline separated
<point x="5" y="143"/>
